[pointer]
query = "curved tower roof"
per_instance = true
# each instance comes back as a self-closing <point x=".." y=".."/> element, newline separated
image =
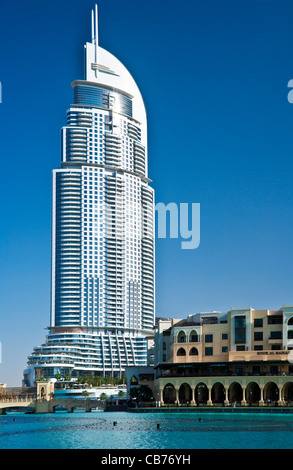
<point x="104" y="69"/>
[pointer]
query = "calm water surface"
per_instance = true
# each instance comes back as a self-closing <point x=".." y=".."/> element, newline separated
<point x="96" y="430"/>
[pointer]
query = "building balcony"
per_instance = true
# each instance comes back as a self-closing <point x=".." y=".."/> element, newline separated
<point x="275" y="340"/>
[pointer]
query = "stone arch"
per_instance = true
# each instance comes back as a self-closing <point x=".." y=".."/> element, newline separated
<point x="235" y="393"/>
<point x="193" y="337"/>
<point x="201" y="394"/>
<point x="181" y="352"/>
<point x="271" y="392"/>
<point x="58" y="407"/>
<point x="290" y="321"/>
<point x="146" y="393"/>
<point x="185" y="393"/>
<point x="169" y="394"/>
<point x="43" y="394"/>
<point x="252" y="393"/>
<point x="287" y="392"/>
<point x="181" y="337"/>
<point x="218" y="393"/>
<point x="133" y="380"/>
<point x="193" y="352"/>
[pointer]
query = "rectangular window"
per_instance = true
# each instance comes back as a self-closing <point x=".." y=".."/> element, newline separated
<point x="275" y="320"/>
<point x="258" y="323"/>
<point x="240" y="322"/>
<point x="208" y="338"/>
<point x="276" y="347"/>
<point x="276" y="335"/>
<point x="240" y="348"/>
<point x="224" y="349"/>
<point x="224" y="335"/>
<point x="240" y="329"/>
<point x="240" y="336"/>
<point x="258" y="336"/>
<point x="258" y="347"/>
<point x="208" y="351"/>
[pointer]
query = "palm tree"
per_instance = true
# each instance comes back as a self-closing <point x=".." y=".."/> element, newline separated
<point x="103" y="396"/>
<point x="89" y="379"/>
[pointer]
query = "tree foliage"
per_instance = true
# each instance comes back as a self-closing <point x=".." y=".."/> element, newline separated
<point x="143" y="393"/>
<point x="103" y="396"/>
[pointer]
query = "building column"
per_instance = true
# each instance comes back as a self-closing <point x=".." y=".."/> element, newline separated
<point x="261" y="402"/>
<point x="226" y="401"/>
<point x="243" y="401"/>
<point x="209" y="402"/>
<point x="280" y="401"/>
<point x="192" y="397"/>
<point x="161" y="396"/>
<point x="177" y="396"/>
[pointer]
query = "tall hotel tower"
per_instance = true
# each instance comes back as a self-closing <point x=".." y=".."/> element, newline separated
<point x="102" y="300"/>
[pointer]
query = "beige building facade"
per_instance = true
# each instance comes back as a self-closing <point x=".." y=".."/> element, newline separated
<point x="244" y="356"/>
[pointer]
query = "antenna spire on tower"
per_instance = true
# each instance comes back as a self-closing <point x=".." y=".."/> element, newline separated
<point x="96" y="36"/>
<point x="93" y="27"/>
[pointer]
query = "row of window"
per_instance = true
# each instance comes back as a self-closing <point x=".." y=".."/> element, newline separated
<point x="272" y="320"/>
<point x="258" y="322"/>
<point x="258" y="335"/>
<point x="275" y="347"/>
<point x="194" y="338"/>
<point x="239" y="336"/>
<point x="193" y="352"/>
<point x="208" y="351"/>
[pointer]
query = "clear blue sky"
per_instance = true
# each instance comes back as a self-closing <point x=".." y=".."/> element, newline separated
<point x="214" y="77"/>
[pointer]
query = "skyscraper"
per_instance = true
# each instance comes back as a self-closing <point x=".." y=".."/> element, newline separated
<point x="102" y="298"/>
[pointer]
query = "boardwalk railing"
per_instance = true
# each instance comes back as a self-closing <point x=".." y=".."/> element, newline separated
<point x="17" y="399"/>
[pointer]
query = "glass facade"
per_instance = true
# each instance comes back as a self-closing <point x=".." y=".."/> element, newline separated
<point x="95" y="96"/>
<point x="240" y="329"/>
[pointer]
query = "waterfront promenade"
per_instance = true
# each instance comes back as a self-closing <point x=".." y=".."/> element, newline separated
<point x="42" y="400"/>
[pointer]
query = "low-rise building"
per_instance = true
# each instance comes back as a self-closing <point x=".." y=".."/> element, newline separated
<point x="243" y="356"/>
